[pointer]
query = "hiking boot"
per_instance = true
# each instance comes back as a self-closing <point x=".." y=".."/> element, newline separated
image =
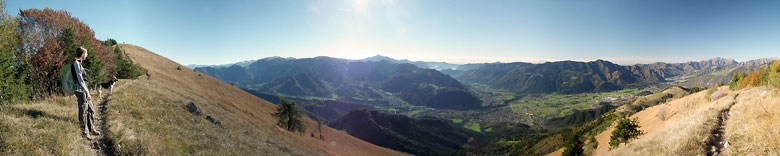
<point x="86" y="135"/>
<point x="93" y="132"/>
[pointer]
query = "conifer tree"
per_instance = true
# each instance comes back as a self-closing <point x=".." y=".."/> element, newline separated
<point x="289" y="117"/>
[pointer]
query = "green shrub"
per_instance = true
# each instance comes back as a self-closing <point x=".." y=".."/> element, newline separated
<point x="12" y="66"/>
<point x="773" y="76"/>
<point x="736" y="80"/>
<point x="109" y="42"/>
<point x="625" y="130"/>
<point x="695" y="90"/>
<point x="125" y="67"/>
<point x="572" y="143"/>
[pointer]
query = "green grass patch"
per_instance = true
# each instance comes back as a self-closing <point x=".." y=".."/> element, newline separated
<point x="415" y="112"/>
<point x="723" y="72"/>
<point x="565" y="112"/>
<point x="457" y="121"/>
<point x="364" y="99"/>
<point x="389" y="110"/>
<point x="473" y="126"/>
<point x="425" y="85"/>
<point x="556" y="105"/>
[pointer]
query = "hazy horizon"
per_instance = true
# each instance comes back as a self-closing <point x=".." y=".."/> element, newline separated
<point x="624" y="32"/>
<point x="532" y="61"/>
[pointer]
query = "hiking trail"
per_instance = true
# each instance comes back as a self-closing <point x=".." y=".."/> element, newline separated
<point x="715" y="142"/>
<point x="101" y="143"/>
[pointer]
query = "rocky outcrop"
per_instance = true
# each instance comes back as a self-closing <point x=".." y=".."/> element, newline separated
<point x="193" y="108"/>
<point x="196" y="111"/>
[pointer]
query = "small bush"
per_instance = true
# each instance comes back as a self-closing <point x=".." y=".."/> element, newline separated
<point x="666" y="98"/>
<point x="594" y="144"/>
<point x="109" y="42"/>
<point x="625" y="130"/>
<point x="662" y="112"/>
<point x="711" y="90"/>
<point x="694" y="90"/>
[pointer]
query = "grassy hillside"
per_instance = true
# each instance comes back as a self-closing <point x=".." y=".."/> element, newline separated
<point x="668" y="94"/>
<point x="149" y="117"/>
<point x="420" y="136"/>
<point x="752" y="128"/>
<point x="687" y="126"/>
<point x="47" y="127"/>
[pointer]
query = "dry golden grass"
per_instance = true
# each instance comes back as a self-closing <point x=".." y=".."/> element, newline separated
<point x="751" y="128"/>
<point x="688" y="121"/>
<point x="754" y="125"/>
<point x="149" y="117"/>
<point x="47" y="127"/>
<point x="603" y="140"/>
<point x="558" y="152"/>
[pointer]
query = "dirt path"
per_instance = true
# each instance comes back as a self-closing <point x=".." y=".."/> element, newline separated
<point x="101" y="143"/>
<point x="715" y="143"/>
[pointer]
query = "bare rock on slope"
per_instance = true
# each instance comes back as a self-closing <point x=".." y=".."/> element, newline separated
<point x="193" y="108"/>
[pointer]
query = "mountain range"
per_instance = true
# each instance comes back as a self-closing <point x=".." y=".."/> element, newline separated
<point x="242" y="64"/>
<point x="595" y="76"/>
<point x="381" y="80"/>
<point x="333" y="78"/>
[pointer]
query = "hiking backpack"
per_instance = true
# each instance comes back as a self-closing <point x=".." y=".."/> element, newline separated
<point x="68" y="77"/>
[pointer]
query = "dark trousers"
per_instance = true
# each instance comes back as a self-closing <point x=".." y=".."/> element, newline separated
<point x="86" y="113"/>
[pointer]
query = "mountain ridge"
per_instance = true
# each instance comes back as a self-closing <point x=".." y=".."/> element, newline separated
<point x="334" y="78"/>
<point x="602" y="75"/>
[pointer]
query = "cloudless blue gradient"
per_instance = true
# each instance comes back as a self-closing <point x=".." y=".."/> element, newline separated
<point x="459" y="31"/>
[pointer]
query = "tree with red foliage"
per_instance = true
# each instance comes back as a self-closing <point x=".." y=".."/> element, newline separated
<point x="48" y="38"/>
<point x="753" y="79"/>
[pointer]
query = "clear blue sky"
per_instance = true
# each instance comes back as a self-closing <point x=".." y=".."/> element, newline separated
<point x="622" y="31"/>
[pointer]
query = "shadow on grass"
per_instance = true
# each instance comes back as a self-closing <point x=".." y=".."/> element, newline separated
<point x="105" y="143"/>
<point x="35" y="114"/>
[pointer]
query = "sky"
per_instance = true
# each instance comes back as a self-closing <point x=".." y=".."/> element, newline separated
<point x="456" y="31"/>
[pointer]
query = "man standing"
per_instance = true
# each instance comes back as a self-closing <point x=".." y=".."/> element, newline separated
<point x="86" y="110"/>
